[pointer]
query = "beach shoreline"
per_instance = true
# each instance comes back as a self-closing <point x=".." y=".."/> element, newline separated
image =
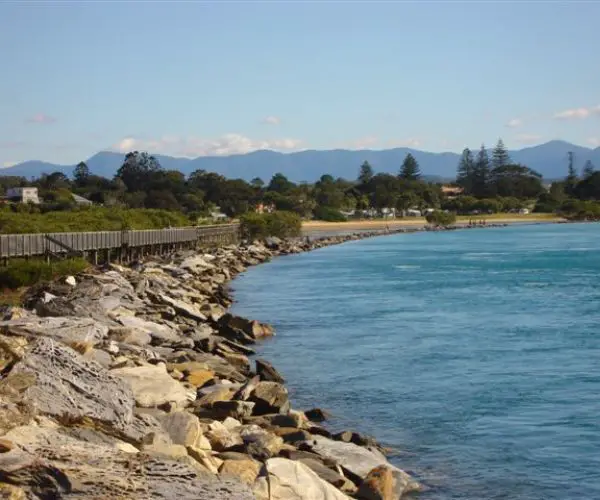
<point x="382" y="224"/>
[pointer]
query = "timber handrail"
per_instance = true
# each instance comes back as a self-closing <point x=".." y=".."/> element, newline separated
<point x="38" y="244"/>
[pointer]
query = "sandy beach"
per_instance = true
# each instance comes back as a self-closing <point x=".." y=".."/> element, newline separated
<point x="380" y="224"/>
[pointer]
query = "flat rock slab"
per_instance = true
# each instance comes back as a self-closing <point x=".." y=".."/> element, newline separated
<point x="64" y="329"/>
<point x="60" y="382"/>
<point x="182" y="307"/>
<point x="45" y="463"/>
<point x="153" y="386"/>
<point x="156" y="330"/>
<point x="283" y="479"/>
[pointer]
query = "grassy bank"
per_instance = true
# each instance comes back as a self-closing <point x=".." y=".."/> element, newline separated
<point x="22" y="273"/>
<point x="90" y="219"/>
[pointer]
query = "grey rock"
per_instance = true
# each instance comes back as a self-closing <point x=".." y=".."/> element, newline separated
<point x="66" y="330"/>
<point x="182" y="307"/>
<point x="46" y="463"/>
<point x="359" y="461"/>
<point x="266" y="371"/>
<point x="283" y="479"/>
<point x="153" y="386"/>
<point x="159" y="332"/>
<point x="331" y="476"/>
<point x="270" y="397"/>
<point x="62" y="383"/>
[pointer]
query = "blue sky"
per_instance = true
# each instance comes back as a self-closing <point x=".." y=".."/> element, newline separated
<point x="197" y="78"/>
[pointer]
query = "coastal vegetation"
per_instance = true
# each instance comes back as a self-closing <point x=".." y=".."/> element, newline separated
<point x="23" y="272"/>
<point x="28" y="219"/>
<point x="439" y="218"/>
<point x="279" y="224"/>
<point x="143" y="195"/>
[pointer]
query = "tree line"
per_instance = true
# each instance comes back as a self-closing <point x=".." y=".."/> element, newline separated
<point x="489" y="182"/>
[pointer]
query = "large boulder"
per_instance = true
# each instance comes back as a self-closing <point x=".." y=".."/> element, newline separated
<point x="260" y="443"/>
<point x="184" y="429"/>
<point x="158" y="332"/>
<point x="153" y="386"/>
<point x="60" y="382"/>
<point x="328" y="474"/>
<point x="283" y="479"/>
<point x="253" y="328"/>
<point x="196" y="264"/>
<point x="182" y="307"/>
<point x="266" y="371"/>
<point x="270" y="397"/>
<point x="245" y="470"/>
<point x="380" y="484"/>
<point x="359" y="461"/>
<point x="221" y="438"/>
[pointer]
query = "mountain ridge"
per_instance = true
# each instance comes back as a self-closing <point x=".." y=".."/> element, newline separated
<point x="549" y="159"/>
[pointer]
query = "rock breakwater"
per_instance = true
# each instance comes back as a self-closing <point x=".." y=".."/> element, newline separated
<point x="135" y="382"/>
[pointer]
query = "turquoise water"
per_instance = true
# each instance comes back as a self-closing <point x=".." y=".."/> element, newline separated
<point x="475" y="353"/>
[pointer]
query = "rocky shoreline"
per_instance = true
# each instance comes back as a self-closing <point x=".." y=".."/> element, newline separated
<point x="136" y="382"/>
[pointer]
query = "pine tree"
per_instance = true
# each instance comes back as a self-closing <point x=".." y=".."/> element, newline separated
<point x="500" y="156"/>
<point x="410" y="168"/>
<point x="572" y="179"/>
<point x="366" y="173"/>
<point x="81" y="173"/>
<point x="481" y="173"/>
<point x="588" y="169"/>
<point x="466" y="171"/>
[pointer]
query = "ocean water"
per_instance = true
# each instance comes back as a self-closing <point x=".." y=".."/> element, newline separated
<point x="475" y="353"/>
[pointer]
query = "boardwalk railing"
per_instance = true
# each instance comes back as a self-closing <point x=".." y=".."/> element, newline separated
<point x="90" y="243"/>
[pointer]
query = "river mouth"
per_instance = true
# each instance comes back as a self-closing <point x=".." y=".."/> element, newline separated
<point x="472" y="352"/>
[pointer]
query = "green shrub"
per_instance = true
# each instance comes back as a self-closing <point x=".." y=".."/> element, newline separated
<point x="580" y="210"/>
<point x="439" y="218"/>
<point x="90" y="219"/>
<point x="280" y="224"/>
<point x="329" y="214"/>
<point x="21" y="272"/>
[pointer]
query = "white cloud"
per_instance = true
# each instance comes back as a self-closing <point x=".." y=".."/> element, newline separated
<point x="528" y="138"/>
<point x="577" y="113"/>
<point x="41" y="118"/>
<point x="514" y="123"/>
<point x="271" y="120"/>
<point x="594" y="141"/>
<point x="405" y="143"/>
<point x="192" y="147"/>
<point x="8" y="164"/>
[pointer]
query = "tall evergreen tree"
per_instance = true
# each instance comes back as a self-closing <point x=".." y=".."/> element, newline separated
<point x="481" y="173"/>
<point x="500" y="156"/>
<point x="410" y="168"/>
<point x="571" y="179"/>
<point x="588" y="169"/>
<point x="366" y="173"/>
<point x="466" y="171"/>
<point x="81" y="173"/>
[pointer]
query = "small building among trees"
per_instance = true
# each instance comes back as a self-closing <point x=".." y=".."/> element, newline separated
<point x="23" y="195"/>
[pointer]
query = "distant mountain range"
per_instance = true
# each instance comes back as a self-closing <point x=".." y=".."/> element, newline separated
<point x="549" y="159"/>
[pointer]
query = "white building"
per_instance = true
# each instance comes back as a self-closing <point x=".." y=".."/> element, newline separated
<point x="23" y="195"/>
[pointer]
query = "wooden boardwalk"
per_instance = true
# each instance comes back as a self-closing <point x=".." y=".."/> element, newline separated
<point x="115" y="245"/>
